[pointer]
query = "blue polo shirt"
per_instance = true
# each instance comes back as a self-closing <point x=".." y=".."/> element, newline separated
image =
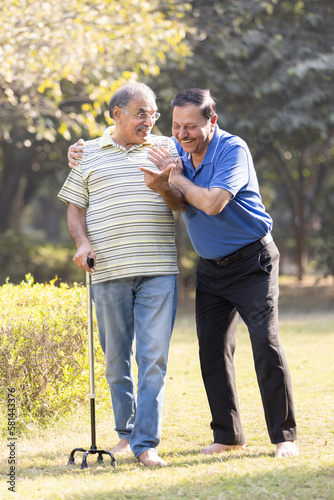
<point x="227" y="164"/>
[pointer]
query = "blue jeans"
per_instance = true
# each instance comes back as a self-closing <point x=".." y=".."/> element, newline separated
<point x="141" y="309"/>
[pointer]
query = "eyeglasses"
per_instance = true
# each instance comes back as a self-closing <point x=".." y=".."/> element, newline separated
<point x="143" y="116"/>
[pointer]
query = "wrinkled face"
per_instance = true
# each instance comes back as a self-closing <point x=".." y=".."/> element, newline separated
<point x="133" y="129"/>
<point x="192" y="130"/>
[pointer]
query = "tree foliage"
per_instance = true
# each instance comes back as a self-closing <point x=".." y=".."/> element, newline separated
<point x="271" y="66"/>
<point x="56" y="54"/>
<point x="60" y="62"/>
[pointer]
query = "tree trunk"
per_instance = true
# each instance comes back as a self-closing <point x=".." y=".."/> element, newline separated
<point x="13" y="170"/>
<point x="283" y="246"/>
<point x="302" y="228"/>
<point x="50" y="219"/>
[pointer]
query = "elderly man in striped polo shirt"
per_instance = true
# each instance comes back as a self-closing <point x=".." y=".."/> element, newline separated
<point x="128" y="229"/>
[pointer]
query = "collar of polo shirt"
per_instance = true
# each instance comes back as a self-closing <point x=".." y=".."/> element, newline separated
<point x="107" y="140"/>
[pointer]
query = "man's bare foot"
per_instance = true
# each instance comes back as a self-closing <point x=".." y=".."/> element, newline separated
<point x="122" y="447"/>
<point x="151" y="458"/>
<point x="287" y="449"/>
<point x="219" y="448"/>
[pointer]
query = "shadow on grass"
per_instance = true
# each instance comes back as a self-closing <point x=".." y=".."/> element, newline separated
<point x="188" y="475"/>
<point x="285" y="483"/>
<point x="50" y="469"/>
<point x="209" y="459"/>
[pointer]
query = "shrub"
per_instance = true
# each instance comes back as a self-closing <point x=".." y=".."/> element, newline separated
<point x="44" y="349"/>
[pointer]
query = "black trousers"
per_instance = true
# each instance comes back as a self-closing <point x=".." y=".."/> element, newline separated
<point x="248" y="287"/>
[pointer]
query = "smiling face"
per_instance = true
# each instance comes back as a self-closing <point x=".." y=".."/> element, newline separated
<point x="129" y="128"/>
<point x="192" y="130"/>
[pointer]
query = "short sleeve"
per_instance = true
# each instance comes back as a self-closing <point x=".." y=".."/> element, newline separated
<point x="74" y="189"/>
<point x="231" y="170"/>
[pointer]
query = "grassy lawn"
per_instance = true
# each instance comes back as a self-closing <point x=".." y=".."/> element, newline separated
<point x="254" y="473"/>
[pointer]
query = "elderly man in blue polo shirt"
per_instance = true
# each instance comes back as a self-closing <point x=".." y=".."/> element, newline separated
<point x="237" y="272"/>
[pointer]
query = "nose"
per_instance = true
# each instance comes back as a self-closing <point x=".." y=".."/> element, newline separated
<point x="182" y="133"/>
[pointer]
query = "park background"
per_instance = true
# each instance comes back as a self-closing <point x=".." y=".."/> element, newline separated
<point x="270" y="64"/>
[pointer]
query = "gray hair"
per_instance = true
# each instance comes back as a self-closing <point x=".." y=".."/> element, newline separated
<point x="123" y="95"/>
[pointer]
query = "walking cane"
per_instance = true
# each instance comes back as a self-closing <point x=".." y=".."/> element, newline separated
<point x="93" y="449"/>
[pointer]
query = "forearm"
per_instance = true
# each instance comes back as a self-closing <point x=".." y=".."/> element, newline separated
<point x="159" y="182"/>
<point x="210" y="201"/>
<point x="173" y="197"/>
<point x="76" y="223"/>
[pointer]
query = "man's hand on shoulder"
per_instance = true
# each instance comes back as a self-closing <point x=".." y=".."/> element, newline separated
<point x="178" y="170"/>
<point x="161" y="158"/>
<point x="74" y="153"/>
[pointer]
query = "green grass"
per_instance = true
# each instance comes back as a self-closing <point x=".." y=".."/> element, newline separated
<point x="43" y="473"/>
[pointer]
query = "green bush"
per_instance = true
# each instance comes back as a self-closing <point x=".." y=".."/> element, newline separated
<point x="44" y="350"/>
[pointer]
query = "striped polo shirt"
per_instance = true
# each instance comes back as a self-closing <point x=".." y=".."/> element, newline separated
<point x="129" y="226"/>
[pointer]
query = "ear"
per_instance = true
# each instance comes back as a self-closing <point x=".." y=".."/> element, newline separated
<point x="117" y="111"/>
<point x="213" y="122"/>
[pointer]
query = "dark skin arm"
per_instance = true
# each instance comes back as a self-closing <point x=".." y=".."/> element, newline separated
<point x="211" y="201"/>
<point x="76" y="224"/>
